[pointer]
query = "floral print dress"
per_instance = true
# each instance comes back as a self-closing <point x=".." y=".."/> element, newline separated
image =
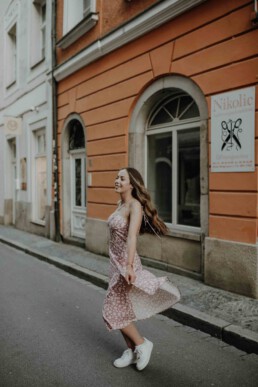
<point x="148" y="294"/>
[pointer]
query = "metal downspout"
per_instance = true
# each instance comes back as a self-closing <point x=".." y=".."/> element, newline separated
<point x="54" y="121"/>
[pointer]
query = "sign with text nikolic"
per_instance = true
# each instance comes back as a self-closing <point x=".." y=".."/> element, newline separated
<point x="232" y="131"/>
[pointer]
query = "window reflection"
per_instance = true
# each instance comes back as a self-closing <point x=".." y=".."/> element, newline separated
<point x="41" y="186"/>
<point x="78" y="182"/>
<point x="173" y="173"/>
<point x="160" y="173"/>
<point x="189" y="177"/>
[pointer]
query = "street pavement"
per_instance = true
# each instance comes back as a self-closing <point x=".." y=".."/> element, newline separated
<point x="231" y="317"/>
<point x="52" y="334"/>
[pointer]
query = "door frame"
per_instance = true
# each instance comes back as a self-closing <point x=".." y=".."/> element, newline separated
<point x="78" y="211"/>
<point x="11" y="180"/>
<point x="66" y="194"/>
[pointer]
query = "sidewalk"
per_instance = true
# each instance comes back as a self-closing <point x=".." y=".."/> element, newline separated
<point x="228" y="316"/>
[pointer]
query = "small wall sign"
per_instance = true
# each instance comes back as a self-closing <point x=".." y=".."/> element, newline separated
<point x="13" y="126"/>
<point x="233" y="131"/>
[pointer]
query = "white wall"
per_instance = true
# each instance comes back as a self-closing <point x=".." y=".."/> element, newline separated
<point x="30" y="96"/>
<point x="3" y="7"/>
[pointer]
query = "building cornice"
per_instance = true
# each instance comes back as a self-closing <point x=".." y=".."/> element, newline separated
<point x="144" y="23"/>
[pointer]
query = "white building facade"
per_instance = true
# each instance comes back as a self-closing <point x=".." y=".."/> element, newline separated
<point x="26" y="115"/>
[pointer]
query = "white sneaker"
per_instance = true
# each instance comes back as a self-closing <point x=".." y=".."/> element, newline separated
<point x="143" y="353"/>
<point x="128" y="357"/>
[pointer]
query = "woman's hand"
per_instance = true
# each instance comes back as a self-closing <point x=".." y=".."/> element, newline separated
<point x="130" y="275"/>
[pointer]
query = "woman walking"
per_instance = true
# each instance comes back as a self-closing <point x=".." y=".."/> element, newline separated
<point x="133" y="293"/>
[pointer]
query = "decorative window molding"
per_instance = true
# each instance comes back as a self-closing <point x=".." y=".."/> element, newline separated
<point x="77" y="20"/>
<point x="143" y="126"/>
<point x="144" y="23"/>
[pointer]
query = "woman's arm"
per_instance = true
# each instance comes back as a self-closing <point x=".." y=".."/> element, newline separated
<point x="135" y="214"/>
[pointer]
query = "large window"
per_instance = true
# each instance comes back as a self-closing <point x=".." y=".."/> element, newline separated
<point x="11" y="56"/>
<point x="40" y="178"/>
<point x="38" y="31"/>
<point x="173" y="159"/>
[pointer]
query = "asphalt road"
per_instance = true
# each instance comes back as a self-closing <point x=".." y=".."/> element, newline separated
<point x="52" y="334"/>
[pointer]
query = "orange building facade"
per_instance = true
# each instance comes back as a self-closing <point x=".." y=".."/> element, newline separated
<point x="135" y="82"/>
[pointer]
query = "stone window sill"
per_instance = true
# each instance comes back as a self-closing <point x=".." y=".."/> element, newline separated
<point x="80" y="29"/>
<point x="184" y="234"/>
<point x="38" y="223"/>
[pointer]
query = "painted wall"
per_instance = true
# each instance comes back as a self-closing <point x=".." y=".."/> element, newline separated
<point x="111" y="13"/>
<point x="105" y="92"/>
<point x="29" y="98"/>
<point x="3" y="6"/>
<point x="214" y="46"/>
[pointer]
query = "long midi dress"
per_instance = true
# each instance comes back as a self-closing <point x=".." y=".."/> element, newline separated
<point x="148" y="294"/>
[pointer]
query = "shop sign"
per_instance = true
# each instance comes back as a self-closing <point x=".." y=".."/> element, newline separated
<point x="233" y="131"/>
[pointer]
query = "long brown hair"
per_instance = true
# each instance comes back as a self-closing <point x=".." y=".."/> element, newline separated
<point x="151" y="223"/>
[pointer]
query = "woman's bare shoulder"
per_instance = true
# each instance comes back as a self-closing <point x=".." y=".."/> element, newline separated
<point x="135" y="205"/>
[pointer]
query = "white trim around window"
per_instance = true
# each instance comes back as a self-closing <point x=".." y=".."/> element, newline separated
<point x="78" y="19"/>
<point x="138" y="134"/>
<point x="11" y="56"/>
<point x="38" y="32"/>
<point x="11" y="46"/>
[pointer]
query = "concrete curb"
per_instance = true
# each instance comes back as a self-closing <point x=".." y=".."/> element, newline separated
<point x="243" y="339"/>
<point x="194" y="318"/>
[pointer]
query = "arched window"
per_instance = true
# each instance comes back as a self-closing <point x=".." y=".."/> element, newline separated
<point x="76" y="135"/>
<point x="173" y="158"/>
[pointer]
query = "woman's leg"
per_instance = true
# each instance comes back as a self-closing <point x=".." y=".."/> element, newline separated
<point x="131" y="332"/>
<point x="129" y="342"/>
<point x="128" y="357"/>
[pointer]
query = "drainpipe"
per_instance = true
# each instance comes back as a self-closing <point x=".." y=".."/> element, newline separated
<point x="54" y="122"/>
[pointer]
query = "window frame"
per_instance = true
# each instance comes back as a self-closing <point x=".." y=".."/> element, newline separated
<point x="83" y="14"/>
<point x="137" y="151"/>
<point x="173" y="129"/>
<point x="37" y="155"/>
<point x="11" y="67"/>
<point x="85" y="22"/>
<point x="38" y="30"/>
<point x="87" y="10"/>
<point x="43" y="29"/>
<point x="81" y="156"/>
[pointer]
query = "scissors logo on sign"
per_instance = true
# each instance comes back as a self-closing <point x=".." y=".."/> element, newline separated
<point x="230" y="134"/>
